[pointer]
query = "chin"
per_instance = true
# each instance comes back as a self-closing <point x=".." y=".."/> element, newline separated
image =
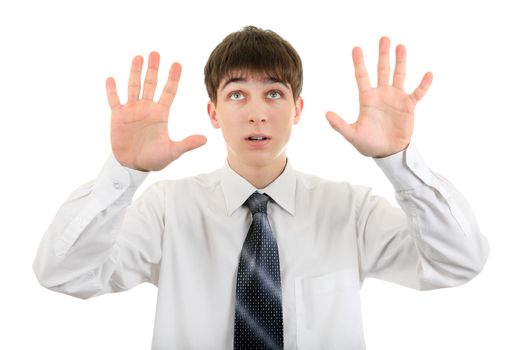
<point x="261" y="160"/>
<point x="258" y="157"/>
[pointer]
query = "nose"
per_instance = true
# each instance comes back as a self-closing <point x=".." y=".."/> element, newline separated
<point x="257" y="118"/>
<point x="257" y="114"/>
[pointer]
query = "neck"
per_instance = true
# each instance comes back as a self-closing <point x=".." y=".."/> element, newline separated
<point x="260" y="176"/>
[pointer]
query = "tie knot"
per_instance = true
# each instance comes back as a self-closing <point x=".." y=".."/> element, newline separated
<point x="257" y="203"/>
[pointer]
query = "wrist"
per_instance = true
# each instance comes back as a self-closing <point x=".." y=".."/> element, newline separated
<point x="391" y="153"/>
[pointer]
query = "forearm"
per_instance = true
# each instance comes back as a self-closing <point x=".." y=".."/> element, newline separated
<point x="450" y="246"/>
<point x="79" y="246"/>
<point x="437" y="243"/>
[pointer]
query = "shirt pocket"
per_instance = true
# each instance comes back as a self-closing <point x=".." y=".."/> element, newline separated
<point x="328" y="312"/>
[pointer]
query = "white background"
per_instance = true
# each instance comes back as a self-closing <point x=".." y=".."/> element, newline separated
<point x="54" y="136"/>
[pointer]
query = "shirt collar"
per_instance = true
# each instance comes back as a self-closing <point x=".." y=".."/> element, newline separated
<point x="236" y="189"/>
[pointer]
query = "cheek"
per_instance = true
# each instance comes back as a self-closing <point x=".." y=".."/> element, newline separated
<point x="286" y="118"/>
<point x="231" y="128"/>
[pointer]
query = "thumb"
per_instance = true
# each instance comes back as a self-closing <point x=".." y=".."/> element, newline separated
<point x="188" y="144"/>
<point x="340" y="126"/>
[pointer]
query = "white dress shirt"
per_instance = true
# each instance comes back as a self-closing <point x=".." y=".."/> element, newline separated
<point x="185" y="236"/>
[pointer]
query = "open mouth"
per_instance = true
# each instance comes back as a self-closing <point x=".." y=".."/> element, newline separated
<point x="258" y="141"/>
<point x="258" y="138"/>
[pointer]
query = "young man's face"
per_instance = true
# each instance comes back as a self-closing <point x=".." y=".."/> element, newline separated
<point x="250" y="107"/>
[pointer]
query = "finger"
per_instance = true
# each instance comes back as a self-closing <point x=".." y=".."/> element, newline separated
<point x="111" y="93"/>
<point x="399" y="74"/>
<point x="186" y="145"/>
<point x="134" y="83"/>
<point x="150" y="81"/>
<point x="383" y="61"/>
<point x="361" y="74"/>
<point x="338" y="124"/>
<point x="421" y="90"/>
<point x="170" y="89"/>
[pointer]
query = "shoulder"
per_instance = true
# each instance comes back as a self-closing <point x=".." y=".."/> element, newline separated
<point x="316" y="182"/>
<point x="200" y="182"/>
<point x="318" y="186"/>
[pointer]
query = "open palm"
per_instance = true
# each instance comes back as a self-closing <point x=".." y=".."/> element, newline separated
<point x="139" y="129"/>
<point x="386" y="116"/>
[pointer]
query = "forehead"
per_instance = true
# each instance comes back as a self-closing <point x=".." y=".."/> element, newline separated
<point x="245" y="77"/>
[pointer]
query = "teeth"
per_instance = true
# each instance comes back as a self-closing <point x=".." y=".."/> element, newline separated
<point x="257" y="138"/>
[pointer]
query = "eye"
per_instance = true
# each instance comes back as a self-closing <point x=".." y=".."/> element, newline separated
<point x="236" y="96"/>
<point x="274" y="95"/>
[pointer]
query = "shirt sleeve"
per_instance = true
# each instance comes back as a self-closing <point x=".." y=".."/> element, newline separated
<point x="99" y="241"/>
<point x="432" y="241"/>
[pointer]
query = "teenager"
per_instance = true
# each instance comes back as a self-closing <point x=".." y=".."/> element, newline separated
<point x="256" y="254"/>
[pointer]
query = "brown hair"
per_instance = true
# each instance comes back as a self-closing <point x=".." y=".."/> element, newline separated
<point x="255" y="51"/>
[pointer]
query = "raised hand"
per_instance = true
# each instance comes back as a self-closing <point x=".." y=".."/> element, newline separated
<point x="139" y="129"/>
<point x="386" y="117"/>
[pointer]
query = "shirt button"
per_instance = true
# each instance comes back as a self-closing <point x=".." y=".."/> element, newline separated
<point x="80" y="223"/>
<point x="117" y="185"/>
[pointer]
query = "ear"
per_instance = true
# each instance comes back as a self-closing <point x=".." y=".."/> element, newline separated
<point x="211" y="111"/>
<point x="299" y="109"/>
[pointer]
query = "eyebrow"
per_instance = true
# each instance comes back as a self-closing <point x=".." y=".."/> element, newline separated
<point x="269" y="80"/>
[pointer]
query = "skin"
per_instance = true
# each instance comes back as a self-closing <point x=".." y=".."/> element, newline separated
<point x="139" y="128"/>
<point x="386" y="116"/>
<point x="255" y="105"/>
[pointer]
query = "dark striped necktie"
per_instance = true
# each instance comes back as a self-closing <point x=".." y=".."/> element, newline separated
<point x="258" y="322"/>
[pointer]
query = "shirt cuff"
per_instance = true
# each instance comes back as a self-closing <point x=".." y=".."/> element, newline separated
<point x="114" y="184"/>
<point x="116" y="180"/>
<point x="406" y="170"/>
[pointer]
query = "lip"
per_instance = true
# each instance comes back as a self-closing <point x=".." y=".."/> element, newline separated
<point x="258" y="144"/>
<point x="257" y="135"/>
